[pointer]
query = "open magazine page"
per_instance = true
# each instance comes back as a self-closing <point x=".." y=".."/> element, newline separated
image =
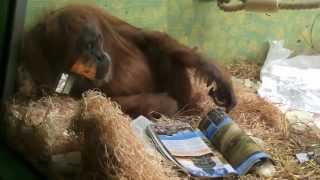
<point x="188" y="148"/>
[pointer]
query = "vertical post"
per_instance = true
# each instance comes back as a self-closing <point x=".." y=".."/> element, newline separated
<point x="12" y="16"/>
<point x="11" y="30"/>
<point x="4" y="6"/>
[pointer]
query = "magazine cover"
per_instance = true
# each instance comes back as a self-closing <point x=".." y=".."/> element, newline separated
<point x="189" y="149"/>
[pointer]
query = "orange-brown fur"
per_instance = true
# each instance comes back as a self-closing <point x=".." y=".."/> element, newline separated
<point x="149" y="68"/>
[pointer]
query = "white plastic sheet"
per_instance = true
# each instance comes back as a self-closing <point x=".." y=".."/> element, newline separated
<point x="291" y="82"/>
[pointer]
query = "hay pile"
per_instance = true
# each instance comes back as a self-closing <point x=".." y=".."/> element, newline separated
<point x="269" y="128"/>
<point x="52" y="131"/>
<point x="41" y="130"/>
<point x="85" y="139"/>
<point x="245" y="69"/>
<point x="111" y="149"/>
<point x="266" y="125"/>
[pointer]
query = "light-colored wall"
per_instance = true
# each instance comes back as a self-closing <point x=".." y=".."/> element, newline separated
<point x="225" y="36"/>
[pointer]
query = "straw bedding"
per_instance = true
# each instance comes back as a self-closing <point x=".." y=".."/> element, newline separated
<point x="111" y="149"/>
<point x="55" y="132"/>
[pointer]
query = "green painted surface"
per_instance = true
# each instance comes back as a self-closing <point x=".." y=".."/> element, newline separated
<point x="151" y="14"/>
<point x="241" y="35"/>
<point x="225" y="36"/>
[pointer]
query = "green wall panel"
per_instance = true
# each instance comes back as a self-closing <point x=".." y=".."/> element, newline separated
<point x="241" y="35"/>
<point x="227" y="37"/>
<point x="150" y="14"/>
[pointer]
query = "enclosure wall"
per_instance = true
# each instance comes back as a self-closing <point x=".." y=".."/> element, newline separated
<point x="226" y="36"/>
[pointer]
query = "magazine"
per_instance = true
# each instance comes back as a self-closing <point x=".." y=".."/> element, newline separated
<point x="189" y="149"/>
<point x="204" y="152"/>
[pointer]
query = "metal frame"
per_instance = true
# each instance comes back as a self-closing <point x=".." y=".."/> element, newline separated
<point x="12" y="17"/>
<point x="12" y="26"/>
